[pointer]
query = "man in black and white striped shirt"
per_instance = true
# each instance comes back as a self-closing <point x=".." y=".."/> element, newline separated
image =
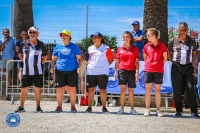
<point x="33" y="54"/>
<point x="182" y="51"/>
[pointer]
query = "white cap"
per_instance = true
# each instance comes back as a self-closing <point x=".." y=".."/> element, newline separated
<point x="34" y="28"/>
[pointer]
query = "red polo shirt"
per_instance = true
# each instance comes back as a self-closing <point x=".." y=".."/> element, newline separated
<point x="127" y="57"/>
<point x="154" y="60"/>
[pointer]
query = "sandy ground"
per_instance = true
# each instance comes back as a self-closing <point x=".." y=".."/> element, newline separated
<point x="95" y="122"/>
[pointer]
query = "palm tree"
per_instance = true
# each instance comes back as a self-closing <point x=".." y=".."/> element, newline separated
<point x="23" y="16"/>
<point x="156" y="16"/>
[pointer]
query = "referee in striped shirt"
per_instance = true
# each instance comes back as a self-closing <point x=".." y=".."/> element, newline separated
<point x="182" y="51"/>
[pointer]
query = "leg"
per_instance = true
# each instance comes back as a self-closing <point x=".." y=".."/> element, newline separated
<point x="59" y="95"/>
<point x="148" y="95"/>
<point x="131" y="97"/>
<point x="158" y="96"/>
<point x="177" y="83"/>
<point x="37" y="95"/>
<point x="103" y="95"/>
<point x="122" y="95"/>
<point x="91" y="92"/>
<point x="23" y="96"/>
<point x="20" y="75"/>
<point x="82" y="85"/>
<point x="72" y="94"/>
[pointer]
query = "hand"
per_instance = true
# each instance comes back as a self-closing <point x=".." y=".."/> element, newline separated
<point x="52" y="75"/>
<point x="6" y="40"/>
<point x="136" y="77"/>
<point x="78" y="71"/>
<point x="51" y="70"/>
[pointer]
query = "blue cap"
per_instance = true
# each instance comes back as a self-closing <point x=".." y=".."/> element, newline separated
<point x="135" y="22"/>
<point x="96" y="34"/>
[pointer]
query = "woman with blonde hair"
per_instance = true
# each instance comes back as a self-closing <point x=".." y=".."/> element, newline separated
<point x="155" y="56"/>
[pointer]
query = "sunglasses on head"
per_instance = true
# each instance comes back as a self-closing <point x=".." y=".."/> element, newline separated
<point x="32" y="32"/>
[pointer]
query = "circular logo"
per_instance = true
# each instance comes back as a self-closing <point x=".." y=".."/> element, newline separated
<point x="66" y="51"/>
<point x="112" y="81"/>
<point x="12" y="120"/>
<point x="141" y="80"/>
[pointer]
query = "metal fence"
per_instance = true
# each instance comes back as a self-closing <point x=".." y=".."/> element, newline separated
<point x="84" y="20"/>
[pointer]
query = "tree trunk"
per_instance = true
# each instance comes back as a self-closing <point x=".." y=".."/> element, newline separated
<point x="156" y="16"/>
<point x="23" y="16"/>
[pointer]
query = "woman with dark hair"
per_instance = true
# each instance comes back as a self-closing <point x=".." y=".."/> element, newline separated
<point x="100" y="57"/>
<point x="127" y="64"/>
<point x="155" y="56"/>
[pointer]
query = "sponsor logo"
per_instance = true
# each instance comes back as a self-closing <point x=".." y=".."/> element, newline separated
<point x="12" y="120"/>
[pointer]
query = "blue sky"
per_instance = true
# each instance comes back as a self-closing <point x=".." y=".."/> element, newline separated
<point x="109" y="21"/>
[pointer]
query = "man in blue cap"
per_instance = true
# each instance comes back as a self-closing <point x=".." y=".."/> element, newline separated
<point x="138" y="37"/>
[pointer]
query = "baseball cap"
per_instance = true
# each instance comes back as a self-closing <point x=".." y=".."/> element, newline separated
<point x="67" y="32"/>
<point x="96" y="34"/>
<point x="34" y="28"/>
<point x="135" y="22"/>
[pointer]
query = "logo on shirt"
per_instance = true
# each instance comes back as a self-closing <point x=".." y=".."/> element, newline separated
<point x="141" y="80"/>
<point x="66" y="51"/>
<point x="12" y="120"/>
<point x="112" y="81"/>
<point x="37" y="52"/>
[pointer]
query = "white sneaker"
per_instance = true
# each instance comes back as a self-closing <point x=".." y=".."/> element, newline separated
<point x="159" y="114"/>
<point x="113" y="103"/>
<point x="147" y="113"/>
<point x="121" y="111"/>
<point x="133" y="112"/>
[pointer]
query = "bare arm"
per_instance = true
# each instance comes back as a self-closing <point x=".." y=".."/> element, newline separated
<point x="44" y="58"/>
<point x="2" y="46"/>
<point x="80" y="60"/>
<point x="20" y="56"/>
<point x="165" y="57"/>
<point x="137" y="64"/>
<point x="17" y="49"/>
<point x="194" y="54"/>
<point x="170" y="56"/>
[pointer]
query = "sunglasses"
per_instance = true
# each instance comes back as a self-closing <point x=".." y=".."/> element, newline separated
<point x="32" y="32"/>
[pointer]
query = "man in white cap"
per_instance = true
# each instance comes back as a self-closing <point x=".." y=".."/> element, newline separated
<point x="33" y="53"/>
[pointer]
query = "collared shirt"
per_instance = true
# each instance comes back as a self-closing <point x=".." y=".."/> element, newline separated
<point x="182" y="51"/>
<point x="127" y="57"/>
<point x="9" y="49"/>
<point x="154" y="61"/>
<point x="67" y="60"/>
<point x="32" y="57"/>
<point x="139" y="45"/>
<point x="98" y="60"/>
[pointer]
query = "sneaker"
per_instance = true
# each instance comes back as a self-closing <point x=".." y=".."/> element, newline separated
<point x="58" y="109"/>
<point x="39" y="110"/>
<point x="159" y="114"/>
<point x="112" y="103"/>
<point x="178" y="114"/>
<point x="147" y="113"/>
<point x="20" y="109"/>
<point x="104" y="110"/>
<point x="73" y="110"/>
<point x="195" y="115"/>
<point x="89" y="110"/>
<point x="121" y="111"/>
<point x="133" y="112"/>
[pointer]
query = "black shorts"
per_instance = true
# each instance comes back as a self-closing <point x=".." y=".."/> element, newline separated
<point x="126" y="76"/>
<point x="155" y="77"/>
<point x="29" y="80"/>
<point x="66" y="78"/>
<point x="94" y="80"/>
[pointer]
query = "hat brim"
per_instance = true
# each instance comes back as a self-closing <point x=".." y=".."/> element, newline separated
<point x="64" y="33"/>
<point x="91" y="36"/>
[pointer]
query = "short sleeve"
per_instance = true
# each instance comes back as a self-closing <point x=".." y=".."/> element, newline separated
<point x="77" y="50"/>
<point x="164" y="48"/>
<point x="18" y="43"/>
<point x="142" y="33"/>
<point x="109" y="54"/>
<point x="55" y="51"/>
<point x="118" y="53"/>
<point x="194" y="46"/>
<point x="0" y="42"/>
<point x="137" y="53"/>
<point x="170" y="45"/>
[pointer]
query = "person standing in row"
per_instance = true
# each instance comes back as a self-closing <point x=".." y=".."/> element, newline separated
<point x="33" y="53"/>
<point x="155" y="56"/>
<point x="182" y="52"/>
<point x="67" y="57"/>
<point x="100" y="57"/>
<point x="24" y="36"/>
<point x="127" y="64"/>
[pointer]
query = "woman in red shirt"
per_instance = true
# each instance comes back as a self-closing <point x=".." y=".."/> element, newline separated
<point x="155" y="56"/>
<point x="127" y="63"/>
